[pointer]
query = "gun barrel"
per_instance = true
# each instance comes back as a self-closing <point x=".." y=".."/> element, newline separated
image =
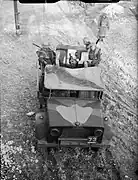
<point x="36" y="45"/>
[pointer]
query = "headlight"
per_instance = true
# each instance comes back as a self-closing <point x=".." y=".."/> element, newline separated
<point x="98" y="132"/>
<point x="54" y="132"/>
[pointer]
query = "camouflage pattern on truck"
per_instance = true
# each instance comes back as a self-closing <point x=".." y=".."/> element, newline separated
<point x="66" y="112"/>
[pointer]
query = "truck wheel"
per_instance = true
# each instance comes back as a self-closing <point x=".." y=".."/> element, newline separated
<point x="95" y="149"/>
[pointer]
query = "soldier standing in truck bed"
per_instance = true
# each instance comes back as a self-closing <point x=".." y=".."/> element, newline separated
<point x="103" y="27"/>
<point x="94" y="53"/>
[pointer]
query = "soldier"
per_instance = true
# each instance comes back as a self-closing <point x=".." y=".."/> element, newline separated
<point x="94" y="53"/>
<point x="87" y="43"/>
<point x="97" y="57"/>
<point x="91" y="52"/>
<point x="103" y="26"/>
<point x="78" y="56"/>
<point x="72" y="61"/>
<point x="50" y="55"/>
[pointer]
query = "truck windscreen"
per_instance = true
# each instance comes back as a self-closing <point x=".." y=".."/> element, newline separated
<point x="75" y="94"/>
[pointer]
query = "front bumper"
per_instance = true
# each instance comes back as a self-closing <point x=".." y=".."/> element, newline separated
<point x="70" y="142"/>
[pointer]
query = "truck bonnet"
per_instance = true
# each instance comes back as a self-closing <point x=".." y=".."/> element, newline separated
<point x="66" y="112"/>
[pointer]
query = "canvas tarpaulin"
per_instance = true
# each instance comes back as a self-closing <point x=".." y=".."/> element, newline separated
<point x="73" y="79"/>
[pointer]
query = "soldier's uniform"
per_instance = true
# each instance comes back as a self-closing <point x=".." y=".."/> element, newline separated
<point x="95" y="56"/>
<point x="46" y="55"/>
<point x="72" y="61"/>
<point x="94" y="53"/>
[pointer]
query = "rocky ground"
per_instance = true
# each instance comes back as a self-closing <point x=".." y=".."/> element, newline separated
<point x="19" y="159"/>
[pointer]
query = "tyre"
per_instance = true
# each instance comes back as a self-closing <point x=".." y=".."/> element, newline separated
<point x="96" y="149"/>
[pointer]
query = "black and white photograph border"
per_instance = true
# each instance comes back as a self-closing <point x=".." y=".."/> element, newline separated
<point x="24" y="103"/>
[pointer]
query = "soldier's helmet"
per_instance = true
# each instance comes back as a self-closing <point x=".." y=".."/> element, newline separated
<point x="86" y="41"/>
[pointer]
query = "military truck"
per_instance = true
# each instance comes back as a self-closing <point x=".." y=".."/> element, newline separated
<point x="70" y="108"/>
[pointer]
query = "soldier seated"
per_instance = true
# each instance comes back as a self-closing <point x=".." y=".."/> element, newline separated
<point x="72" y="61"/>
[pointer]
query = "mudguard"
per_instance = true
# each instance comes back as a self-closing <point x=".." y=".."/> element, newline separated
<point x="41" y="125"/>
